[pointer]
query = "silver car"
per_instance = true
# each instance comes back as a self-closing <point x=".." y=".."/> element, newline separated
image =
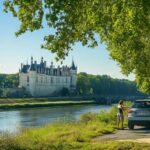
<point x="139" y="113"/>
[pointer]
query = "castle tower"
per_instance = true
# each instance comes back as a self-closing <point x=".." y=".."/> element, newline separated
<point x="73" y="74"/>
<point x="31" y="60"/>
<point x="32" y="78"/>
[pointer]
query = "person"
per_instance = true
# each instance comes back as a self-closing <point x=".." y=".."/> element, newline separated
<point x="120" y="114"/>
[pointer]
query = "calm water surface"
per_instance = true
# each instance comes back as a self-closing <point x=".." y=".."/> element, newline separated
<point x="13" y="120"/>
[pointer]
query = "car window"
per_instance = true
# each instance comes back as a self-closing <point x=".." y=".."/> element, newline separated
<point x="143" y="104"/>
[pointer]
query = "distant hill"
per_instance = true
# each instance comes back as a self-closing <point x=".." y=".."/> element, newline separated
<point x="87" y="84"/>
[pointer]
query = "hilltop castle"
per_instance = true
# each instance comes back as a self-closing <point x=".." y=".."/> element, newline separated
<point x="40" y="80"/>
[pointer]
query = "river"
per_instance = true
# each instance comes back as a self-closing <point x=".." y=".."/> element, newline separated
<point x="13" y="120"/>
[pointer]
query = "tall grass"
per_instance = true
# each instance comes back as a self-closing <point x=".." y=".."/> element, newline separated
<point x="64" y="135"/>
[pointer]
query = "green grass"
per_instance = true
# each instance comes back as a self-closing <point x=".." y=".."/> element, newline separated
<point x="35" y="100"/>
<point x="64" y="135"/>
<point x="39" y="102"/>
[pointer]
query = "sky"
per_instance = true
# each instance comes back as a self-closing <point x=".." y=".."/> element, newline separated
<point x="16" y="50"/>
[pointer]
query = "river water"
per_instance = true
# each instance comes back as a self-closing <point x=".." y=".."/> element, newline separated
<point x="13" y="120"/>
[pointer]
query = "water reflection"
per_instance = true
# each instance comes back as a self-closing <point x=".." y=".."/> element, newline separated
<point x="13" y="120"/>
<point x="9" y="121"/>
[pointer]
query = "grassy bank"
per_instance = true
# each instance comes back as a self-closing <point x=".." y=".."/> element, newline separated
<point x="35" y="100"/>
<point x="71" y="135"/>
<point x="40" y="102"/>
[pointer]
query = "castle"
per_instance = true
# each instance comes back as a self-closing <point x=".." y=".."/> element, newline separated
<point x="40" y="80"/>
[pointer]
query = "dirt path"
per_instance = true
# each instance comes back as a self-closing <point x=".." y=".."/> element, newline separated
<point x="139" y="134"/>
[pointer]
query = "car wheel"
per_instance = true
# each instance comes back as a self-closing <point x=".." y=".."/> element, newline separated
<point x="130" y="125"/>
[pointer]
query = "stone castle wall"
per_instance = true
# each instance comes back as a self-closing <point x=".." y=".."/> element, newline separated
<point x="40" y="80"/>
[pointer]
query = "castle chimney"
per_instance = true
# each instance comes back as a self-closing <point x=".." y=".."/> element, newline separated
<point x="51" y="65"/>
<point x="21" y="65"/>
<point x="31" y="60"/>
<point x="41" y="60"/>
<point x="45" y="64"/>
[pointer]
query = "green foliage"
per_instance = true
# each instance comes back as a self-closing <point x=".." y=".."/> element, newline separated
<point x="1" y="92"/>
<point x="108" y="117"/>
<point x="8" y="93"/>
<point x="85" y="118"/>
<point x="91" y="91"/>
<point x="9" y="80"/>
<point x="65" y="92"/>
<point x="123" y="25"/>
<point x="104" y="85"/>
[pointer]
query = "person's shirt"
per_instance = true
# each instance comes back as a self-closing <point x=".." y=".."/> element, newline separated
<point x="120" y="110"/>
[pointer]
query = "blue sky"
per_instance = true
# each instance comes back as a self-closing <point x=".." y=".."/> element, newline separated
<point x="15" y="50"/>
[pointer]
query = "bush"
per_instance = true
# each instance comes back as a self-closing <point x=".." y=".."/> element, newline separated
<point x="8" y="93"/>
<point x="85" y="118"/>
<point x="1" y="92"/>
<point x="65" y="92"/>
<point x="108" y="116"/>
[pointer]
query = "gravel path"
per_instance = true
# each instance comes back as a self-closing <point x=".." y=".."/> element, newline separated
<point x="138" y="134"/>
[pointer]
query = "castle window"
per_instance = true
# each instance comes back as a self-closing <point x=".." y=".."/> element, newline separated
<point x="66" y="80"/>
<point x="51" y="79"/>
<point x="58" y="80"/>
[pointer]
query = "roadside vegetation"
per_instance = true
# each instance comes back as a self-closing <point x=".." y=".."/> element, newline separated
<point x="68" y="134"/>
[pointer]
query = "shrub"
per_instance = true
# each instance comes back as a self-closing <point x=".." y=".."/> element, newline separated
<point x="85" y="118"/>
<point x="1" y="92"/>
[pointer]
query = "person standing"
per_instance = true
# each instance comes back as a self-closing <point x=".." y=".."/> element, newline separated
<point x="120" y="115"/>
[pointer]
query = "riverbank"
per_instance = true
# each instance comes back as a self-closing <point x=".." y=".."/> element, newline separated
<point x="35" y="100"/>
<point x="40" y="102"/>
<point x="64" y="135"/>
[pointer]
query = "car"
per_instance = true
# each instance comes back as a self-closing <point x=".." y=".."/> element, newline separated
<point x="139" y="113"/>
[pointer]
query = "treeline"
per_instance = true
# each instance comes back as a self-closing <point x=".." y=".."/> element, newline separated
<point x="9" y="80"/>
<point x="88" y="84"/>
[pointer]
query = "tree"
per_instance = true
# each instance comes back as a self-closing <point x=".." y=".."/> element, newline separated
<point x="1" y="92"/>
<point x="123" y="25"/>
<point x="80" y="92"/>
<point x="105" y="85"/>
<point x="83" y="83"/>
<point x="9" y="80"/>
<point x="64" y="92"/>
<point x="8" y="93"/>
<point x="91" y="91"/>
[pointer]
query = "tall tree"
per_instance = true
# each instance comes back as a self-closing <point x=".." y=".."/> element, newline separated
<point x="123" y="25"/>
<point x="9" y="80"/>
<point x="1" y="92"/>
